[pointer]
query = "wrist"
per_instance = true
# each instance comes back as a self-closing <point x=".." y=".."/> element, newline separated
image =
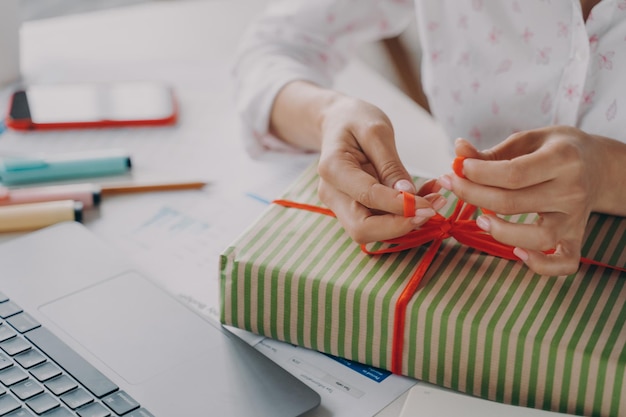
<point x="299" y="112"/>
<point x="612" y="169"/>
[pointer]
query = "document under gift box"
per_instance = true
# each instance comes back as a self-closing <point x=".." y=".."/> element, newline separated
<point x="476" y="323"/>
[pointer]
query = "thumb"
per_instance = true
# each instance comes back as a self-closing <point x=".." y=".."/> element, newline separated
<point x="464" y="148"/>
<point x="377" y="141"/>
<point x="405" y="185"/>
<point x="394" y="174"/>
<point x="390" y="170"/>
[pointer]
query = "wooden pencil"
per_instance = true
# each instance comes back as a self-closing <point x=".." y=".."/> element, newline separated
<point x="107" y="190"/>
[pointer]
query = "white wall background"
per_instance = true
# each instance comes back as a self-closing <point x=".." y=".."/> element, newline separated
<point x="374" y="54"/>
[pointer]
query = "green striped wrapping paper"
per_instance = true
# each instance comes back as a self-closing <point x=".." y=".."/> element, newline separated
<point x="477" y="324"/>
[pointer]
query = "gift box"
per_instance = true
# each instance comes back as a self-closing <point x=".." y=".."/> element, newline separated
<point x="476" y="323"/>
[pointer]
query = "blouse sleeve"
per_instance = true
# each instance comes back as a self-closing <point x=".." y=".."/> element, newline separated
<point x="303" y="40"/>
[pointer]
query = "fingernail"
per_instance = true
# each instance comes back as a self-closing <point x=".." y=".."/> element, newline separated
<point x="445" y="181"/>
<point x="419" y="220"/>
<point x="424" y="212"/>
<point x="520" y="253"/>
<point x="484" y="223"/>
<point x="439" y="202"/>
<point x="404" y="185"/>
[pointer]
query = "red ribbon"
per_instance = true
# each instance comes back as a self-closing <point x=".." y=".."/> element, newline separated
<point x="438" y="228"/>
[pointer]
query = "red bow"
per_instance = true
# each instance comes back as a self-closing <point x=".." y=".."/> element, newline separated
<point x="436" y="230"/>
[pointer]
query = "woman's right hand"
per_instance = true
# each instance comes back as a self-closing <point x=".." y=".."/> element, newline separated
<point x="362" y="177"/>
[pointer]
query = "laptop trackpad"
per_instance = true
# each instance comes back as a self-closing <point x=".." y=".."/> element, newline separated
<point x="133" y="326"/>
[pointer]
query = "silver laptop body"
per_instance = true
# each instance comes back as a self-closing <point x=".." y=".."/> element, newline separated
<point x="132" y="336"/>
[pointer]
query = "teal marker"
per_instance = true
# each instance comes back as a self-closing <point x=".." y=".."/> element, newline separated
<point x="24" y="170"/>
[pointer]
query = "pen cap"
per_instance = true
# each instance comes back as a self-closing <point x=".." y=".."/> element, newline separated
<point x="22" y="217"/>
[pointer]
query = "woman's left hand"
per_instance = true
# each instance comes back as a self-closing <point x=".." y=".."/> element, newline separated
<point x="561" y="173"/>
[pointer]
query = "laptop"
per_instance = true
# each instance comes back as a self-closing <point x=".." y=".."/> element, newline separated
<point x="84" y="333"/>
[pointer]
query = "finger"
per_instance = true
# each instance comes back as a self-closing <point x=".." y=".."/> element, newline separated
<point x="403" y="184"/>
<point x="462" y="147"/>
<point x="345" y="173"/>
<point x="436" y="200"/>
<point x="429" y="190"/>
<point x="517" y="173"/>
<point x="378" y="144"/>
<point x="361" y="224"/>
<point x="564" y="261"/>
<point x="540" y="198"/>
<point x="531" y="241"/>
<point x="515" y="160"/>
<point x="517" y="144"/>
<point x="429" y="187"/>
<point x="350" y="179"/>
<point x="542" y="235"/>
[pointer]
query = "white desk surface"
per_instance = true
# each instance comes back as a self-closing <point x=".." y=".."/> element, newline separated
<point x="190" y="45"/>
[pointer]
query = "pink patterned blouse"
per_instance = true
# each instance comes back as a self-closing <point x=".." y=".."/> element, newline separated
<point x="489" y="68"/>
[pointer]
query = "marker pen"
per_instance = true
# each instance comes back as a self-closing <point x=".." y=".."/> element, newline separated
<point x="22" y="217"/>
<point x="23" y="170"/>
<point x="88" y="194"/>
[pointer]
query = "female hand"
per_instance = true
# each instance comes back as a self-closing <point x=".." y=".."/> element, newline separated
<point x="560" y="173"/>
<point x="362" y="177"/>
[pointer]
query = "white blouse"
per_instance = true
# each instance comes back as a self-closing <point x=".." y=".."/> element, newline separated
<point x="489" y="68"/>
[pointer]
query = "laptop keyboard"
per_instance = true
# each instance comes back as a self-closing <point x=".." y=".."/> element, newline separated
<point x="42" y="376"/>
